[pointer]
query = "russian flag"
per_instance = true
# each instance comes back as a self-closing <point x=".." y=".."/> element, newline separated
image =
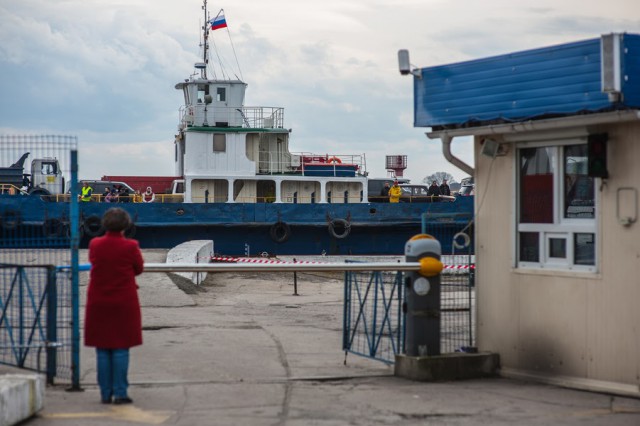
<point x="218" y="22"/>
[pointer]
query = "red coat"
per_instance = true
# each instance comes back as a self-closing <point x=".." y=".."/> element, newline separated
<point x="112" y="316"/>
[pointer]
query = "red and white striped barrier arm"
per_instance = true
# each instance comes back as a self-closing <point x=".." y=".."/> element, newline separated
<point x="304" y="262"/>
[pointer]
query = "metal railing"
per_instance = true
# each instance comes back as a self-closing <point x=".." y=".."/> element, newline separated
<point x="39" y="306"/>
<point x="281" y="267"/>
<point x="246" y="117"/>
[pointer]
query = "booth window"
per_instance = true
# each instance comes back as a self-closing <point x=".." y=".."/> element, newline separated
<point x="556" y="200"/>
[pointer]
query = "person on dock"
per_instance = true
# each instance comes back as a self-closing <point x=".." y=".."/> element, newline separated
<point x="444" y="188"/>
<point x="434" y="190"/>
<point x="395" y="192"/>
<point x="124" y="195"/>
<point x="112" y="197"/>
<point x="384" y="192"/>
<point x="105" y="194"/>
<point x="85" y="192"/>
<point x="113" y="321"/>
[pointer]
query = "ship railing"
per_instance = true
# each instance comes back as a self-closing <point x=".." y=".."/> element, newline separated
<point x="133" y="198"/>
<point x="309" y="164"/>
<point x="169" y="198"/>
<point x="245" y="117"/>
<point x="354" y="197"/>
<point x="271" y="163"/>
<point x="427" y="198"/>
<point x="10" y="189"/>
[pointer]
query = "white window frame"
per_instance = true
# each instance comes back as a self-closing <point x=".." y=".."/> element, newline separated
<point x="561" y="227"/>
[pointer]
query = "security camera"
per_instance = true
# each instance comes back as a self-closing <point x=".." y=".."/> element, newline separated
<point x="403" y="62"/>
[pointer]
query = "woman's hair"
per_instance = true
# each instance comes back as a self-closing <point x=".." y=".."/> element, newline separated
<point x="116" y="219"/>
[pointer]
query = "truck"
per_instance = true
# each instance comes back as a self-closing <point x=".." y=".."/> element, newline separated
<point x="44" y="178"/>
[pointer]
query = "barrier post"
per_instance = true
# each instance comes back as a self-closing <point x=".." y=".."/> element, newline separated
<point x="422" y="302"/>
<point x="295" y="281"/>
<point x="75" y="283"/>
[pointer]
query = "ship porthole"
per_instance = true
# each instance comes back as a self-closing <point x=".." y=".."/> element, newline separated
<point x="180" y="212"/>
<point x="280" y="232"/>
<point x="339" y="228"/>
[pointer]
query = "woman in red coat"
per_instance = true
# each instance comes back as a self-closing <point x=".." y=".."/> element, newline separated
<point x="112" y="319"/>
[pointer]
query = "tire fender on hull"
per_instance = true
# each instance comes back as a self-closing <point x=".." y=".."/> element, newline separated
<point x="280" y="232"/>
<point x="339" y="228"/>
<point x="92" y="226"/>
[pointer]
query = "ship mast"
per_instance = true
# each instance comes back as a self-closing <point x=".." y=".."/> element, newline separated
<point x="205" y="58"/>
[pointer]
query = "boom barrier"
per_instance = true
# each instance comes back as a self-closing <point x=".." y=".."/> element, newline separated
<point x="281" y="267"/>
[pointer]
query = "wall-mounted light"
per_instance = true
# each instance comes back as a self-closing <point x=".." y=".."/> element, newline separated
<point x="493" y="148"/>
<point x="405" y="66"/>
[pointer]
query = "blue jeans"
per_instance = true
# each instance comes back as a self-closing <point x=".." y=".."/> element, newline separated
<point x="113" y="366"/>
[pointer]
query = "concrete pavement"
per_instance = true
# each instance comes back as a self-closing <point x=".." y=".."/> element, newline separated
<point x="242" y="350"/>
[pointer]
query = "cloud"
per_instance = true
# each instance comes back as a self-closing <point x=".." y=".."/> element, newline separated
<point x="105" y="70"/>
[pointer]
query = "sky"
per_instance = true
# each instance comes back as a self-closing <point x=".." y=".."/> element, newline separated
<point x="105" y="70"/>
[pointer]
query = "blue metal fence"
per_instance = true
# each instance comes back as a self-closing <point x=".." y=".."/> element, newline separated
<point x="373" y="305"/>
<point x="373" y="323"/>
<point x="39" y="303"/>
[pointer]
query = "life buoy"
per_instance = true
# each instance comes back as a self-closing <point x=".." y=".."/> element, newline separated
<point x="466" y="240"/>
<point x="336" y="224"/>
<point x="280" y="232"/>
<point x="92" y="226"/>
<point x="148" y="196"/>
<point x="334" y="160"/>
<point x="52" y="228"/>
<point x="11" y="219"/>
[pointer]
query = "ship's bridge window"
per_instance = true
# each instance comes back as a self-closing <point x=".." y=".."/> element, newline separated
<point x="219" y="142"/>
<point x="557" y="212"/>
<point x="221" y="94"/>
<point x="203" y="90"/>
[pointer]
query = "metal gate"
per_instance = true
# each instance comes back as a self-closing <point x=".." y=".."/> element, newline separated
<point x="39" y="309"/>
<point x="373" y="323"/>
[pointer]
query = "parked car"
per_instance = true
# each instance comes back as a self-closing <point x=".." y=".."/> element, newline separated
<point x="466" y="187"/>
<point x="418" y="194"/>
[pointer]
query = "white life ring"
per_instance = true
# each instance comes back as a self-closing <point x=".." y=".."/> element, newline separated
<point x="466" y="240"/>
<point x="148" y="196"/>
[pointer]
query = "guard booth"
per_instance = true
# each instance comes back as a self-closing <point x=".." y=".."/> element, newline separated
<point x="555" y="136"/>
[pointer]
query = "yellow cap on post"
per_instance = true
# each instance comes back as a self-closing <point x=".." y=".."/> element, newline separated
<point x="430" y="267"/>
<point x="421" y="237"/>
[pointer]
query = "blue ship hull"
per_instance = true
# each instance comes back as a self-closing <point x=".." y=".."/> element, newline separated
<point x="238" y="228"/>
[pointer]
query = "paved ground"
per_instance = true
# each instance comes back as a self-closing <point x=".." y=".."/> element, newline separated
<point x="242" y="350"/>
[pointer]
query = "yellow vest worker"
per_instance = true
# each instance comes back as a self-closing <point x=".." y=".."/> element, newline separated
<point x="86" y="192"/>
<point x="394" y="193"/>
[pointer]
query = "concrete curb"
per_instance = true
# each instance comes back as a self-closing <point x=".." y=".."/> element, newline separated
<point x="197" y="251"/>
<point x="21" y="396"/>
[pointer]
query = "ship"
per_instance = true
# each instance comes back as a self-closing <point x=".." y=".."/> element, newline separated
<point x="242" y="187"/>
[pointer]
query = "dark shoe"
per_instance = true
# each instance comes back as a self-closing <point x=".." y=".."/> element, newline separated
<point x="106" y="401"/>
<point x="125" y="400"/>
